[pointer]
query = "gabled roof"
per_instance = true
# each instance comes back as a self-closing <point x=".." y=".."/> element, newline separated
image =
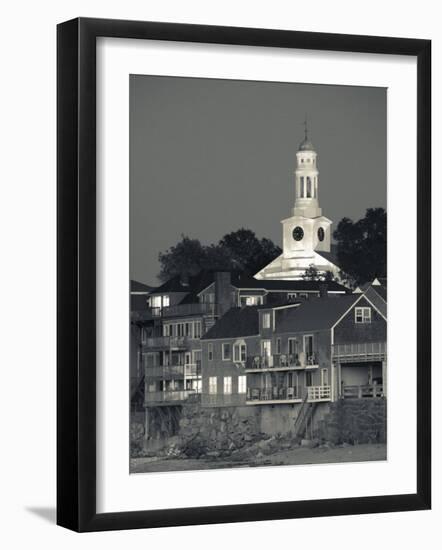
<point x="372" y="294"/>
<point x="136" y="286"/>
<point x="235" y="323"/>
<point x="315" y="314"/>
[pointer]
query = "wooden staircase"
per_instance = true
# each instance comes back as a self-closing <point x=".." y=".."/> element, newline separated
<point x="305" y="416"/>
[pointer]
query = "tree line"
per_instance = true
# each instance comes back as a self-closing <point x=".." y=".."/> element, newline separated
<point x="361" y="251"/>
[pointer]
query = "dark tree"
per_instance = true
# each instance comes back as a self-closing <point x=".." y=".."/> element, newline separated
<point x="240" y="250"/>
<point x="185" y="258"/>
<point x="362" y="246"/>
<point x="312" y="274"/>
<point x="247" y="252"/>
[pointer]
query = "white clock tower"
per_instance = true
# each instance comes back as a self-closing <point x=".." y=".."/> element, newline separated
<point x="306" y="234"/>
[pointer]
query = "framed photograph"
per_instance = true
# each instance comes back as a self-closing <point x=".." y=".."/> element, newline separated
<point x="236" y="207"/>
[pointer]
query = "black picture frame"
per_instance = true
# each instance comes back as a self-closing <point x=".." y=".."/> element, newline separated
<point x="76" y="272"/>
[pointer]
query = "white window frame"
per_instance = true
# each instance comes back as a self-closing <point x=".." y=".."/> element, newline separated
<point x="266" y="316"/>
<point x="210" y="351"/>
<point x="223" y="347"/>
<point x="324" y="377"/>
<point x="239" y="351"/>
<point x="242" y="383"/>
<point x="227" y="385"/>
<point x="363" y="314"/>
<point x="213" y="385"/>
<point x="292" y="295"/>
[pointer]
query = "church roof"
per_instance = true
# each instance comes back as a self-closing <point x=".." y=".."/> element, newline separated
<point x="306" y="145"/>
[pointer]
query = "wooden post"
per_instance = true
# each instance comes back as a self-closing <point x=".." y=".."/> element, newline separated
<point x="384" y="377"/>
<point x="146" y="424"/>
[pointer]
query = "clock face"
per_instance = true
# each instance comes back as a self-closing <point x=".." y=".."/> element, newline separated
<point x="321" y="234"/>
<point x="298" y="233"/>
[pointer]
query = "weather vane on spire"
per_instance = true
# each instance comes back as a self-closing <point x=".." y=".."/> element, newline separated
<point x="305" y="127"/>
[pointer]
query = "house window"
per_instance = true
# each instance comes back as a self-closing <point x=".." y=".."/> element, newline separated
<point x="362" y="315"/>
<point x="278" y="346"/>
<point x="197" y="329"/>
<point x="210" y="352"/>
<point x="266" y="320"/>
<point x="303" y="295"/>
<point x="250" y="301"/>
<point x="226" y="352"/>
<point x="166" y="330"/>
<point x="301" y="190"/>
<point x="308" y="379"/>
<point x="308" y="348"/>
<point x="227" y="385"/>
<point x="212" y="385"/>
<point x="291" y="296"/>
<point x="324" y="377"/>
<point x="166" y="301"/>
<point x="242" y="384"/>
<point x="239" y="353"/>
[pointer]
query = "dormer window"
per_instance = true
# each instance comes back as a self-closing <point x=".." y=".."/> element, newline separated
<point x="362" y="315"/>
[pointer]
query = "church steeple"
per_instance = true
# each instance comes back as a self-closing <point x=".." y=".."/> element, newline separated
<point x="306" y="180"/>
<point x="306" y="235"/>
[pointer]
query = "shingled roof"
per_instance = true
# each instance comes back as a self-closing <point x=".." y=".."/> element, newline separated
<point x="314" y="314"/>
<point x="235" y="323"/>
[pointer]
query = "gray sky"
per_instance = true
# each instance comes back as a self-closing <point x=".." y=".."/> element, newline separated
<point x="210" y="156"/>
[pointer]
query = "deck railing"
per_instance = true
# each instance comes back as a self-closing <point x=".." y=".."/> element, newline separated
<point x="318" y="393"/>
<point x="367" y="351"/>
<point x="358" y="392"/>
<point x="274" y="393"/>
<point x="293" y="361"/>
<point x="166" y="342"/>
<point x="182" y="310"/>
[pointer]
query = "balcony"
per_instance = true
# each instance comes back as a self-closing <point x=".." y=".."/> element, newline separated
<point x="183" y="310"/>
<point x="166" y="342"/>
<point x="318" y="393"/>
<point x="190" y="370"/>
<point x="273" y="395"/>
<point x="357" y="353"/>
<point x="359" y="392"/>
<point x="171" y="397"/>
<point x="282" y="362"/>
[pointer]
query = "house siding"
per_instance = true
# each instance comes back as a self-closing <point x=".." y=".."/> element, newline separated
<point x="348" y="331"/>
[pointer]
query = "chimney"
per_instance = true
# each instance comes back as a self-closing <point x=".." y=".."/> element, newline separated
<point x="323" y="290"/>
<point x="223" y="291"/>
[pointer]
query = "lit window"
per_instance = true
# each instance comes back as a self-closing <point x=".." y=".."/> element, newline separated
<point x="166" y="330"/>
<point x="227" y="385"/>
<point x="166" y="301"/>
<point x="212" y="385"/>
<point x="239" y="353"/>
<point x="266" y="320"/>
<point x="226" y="352"/>
<point x="362" y="315"/>
<point x="242" y="384"/>
<point x="210" y="352"/>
